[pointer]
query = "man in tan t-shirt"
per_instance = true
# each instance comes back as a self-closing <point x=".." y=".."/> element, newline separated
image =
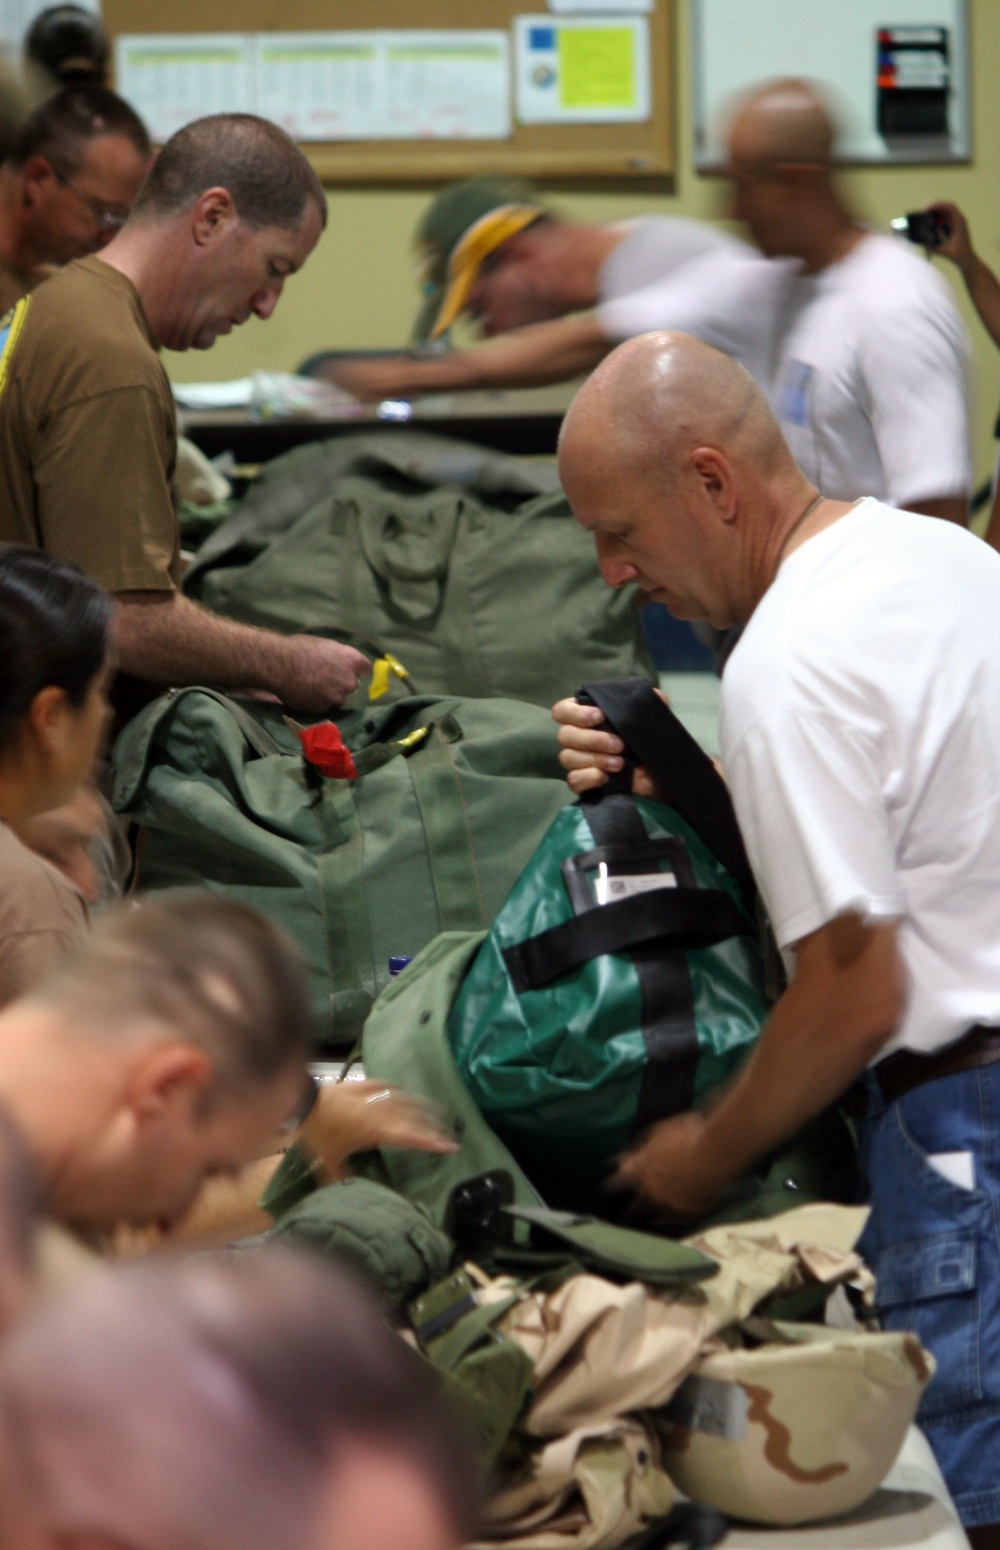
<point x="67" y="185"/>
<point x="87" y="425"/>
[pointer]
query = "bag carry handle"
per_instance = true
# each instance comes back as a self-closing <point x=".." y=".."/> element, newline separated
<point x="656" y="739"/>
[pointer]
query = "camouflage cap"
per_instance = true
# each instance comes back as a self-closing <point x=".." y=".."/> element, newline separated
<point x="463" y="225"/>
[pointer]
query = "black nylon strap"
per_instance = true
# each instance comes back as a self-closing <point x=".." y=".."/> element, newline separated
<point x="659" y="742"/>
<point x="669" y="1031"/>
<point x="613" y="819"/>
<point x="689" y="917"/>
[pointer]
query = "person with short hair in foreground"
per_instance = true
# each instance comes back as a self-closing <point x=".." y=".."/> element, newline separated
<point x="256" y="1402"/>
<point x="169" y="1049"/>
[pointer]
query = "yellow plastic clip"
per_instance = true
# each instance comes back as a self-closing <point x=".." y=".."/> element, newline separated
<point x="380" y="679"/>
<point x="414" y="739"/>
<point x="381" y="671"/>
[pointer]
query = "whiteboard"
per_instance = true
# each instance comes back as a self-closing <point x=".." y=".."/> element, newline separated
<point x="738" y="43"/>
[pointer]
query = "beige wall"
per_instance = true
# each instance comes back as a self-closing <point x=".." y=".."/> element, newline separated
<point x="358" y="288"/>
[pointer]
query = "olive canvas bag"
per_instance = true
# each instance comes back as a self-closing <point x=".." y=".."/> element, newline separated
<point x="449" y="800"/>
<point x="466" y="564"/>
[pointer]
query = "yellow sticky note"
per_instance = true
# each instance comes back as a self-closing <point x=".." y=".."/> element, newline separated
<point x="597" y="67"/>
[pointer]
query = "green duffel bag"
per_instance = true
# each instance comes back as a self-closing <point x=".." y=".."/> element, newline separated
<point x="624" y="979"/>
<point x="290" y="485"/>
<point x="450" y="799"/>
<point x="480" y="1194"/>
<point x="464" y="563"/>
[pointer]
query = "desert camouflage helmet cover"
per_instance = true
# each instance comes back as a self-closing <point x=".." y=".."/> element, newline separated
<point x="805" y="1426"/>
<point x="462" y="227"/>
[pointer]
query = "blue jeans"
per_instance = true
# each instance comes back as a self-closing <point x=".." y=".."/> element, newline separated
<point x="935" y="1249"/>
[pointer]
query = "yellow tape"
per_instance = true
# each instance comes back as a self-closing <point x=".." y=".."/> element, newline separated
<point x="381" y="671"/>
<point x="415" y="738"/>
<point x="10" y="328"/>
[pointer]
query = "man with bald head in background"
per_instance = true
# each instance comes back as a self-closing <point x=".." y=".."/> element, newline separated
<point x="861" y="741"/>
<point x="869" y="384"/>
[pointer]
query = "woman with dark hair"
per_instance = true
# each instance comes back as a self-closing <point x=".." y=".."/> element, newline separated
<point x="53" y="676"/>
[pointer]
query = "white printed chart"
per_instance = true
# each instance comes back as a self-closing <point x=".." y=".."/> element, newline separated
<point x="326" y="86"/>
<point x="319" y="86"/>
<point x="386" y="85"/>
<point x="442" y="85"/>
<point x="171" y="79"/>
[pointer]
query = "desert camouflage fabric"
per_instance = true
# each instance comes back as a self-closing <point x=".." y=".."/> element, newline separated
<point x="597" y="1465"/>
<point x="601" y="1350"/>
<point x="592" y="1490"/>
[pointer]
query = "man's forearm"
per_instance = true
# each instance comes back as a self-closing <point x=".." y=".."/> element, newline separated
<point x="842" y="1007"/>
<point x="984" y="293"/>
<point x="534" y="356"/>
<point x="543" y="353"/>
<point x="164" y="638"/>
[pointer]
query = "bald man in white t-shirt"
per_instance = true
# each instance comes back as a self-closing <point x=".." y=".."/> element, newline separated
<point x="861" y="741"/>
<point x="854" y="337"/>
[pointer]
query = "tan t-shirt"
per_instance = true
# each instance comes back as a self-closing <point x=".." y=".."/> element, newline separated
<point x="41" y="916"/>
<point x="88" y="432"/>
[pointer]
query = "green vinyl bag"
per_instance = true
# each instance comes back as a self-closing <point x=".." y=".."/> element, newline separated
<point x="449" y="800"/>
<point x="568" y="1060"/>
<point x="624" y="977"/>
<point x="466" y="564"/>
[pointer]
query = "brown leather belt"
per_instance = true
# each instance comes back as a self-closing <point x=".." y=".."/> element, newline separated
<point x="902" y="1072"/>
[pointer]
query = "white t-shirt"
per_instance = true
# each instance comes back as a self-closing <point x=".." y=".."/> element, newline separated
<point x="730" y="297"/>
<point x="861" y="742"/>
<point x="653" y="247"/>
<point x="870" y="385"/>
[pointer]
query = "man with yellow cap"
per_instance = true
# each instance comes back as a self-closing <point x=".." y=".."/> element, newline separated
<point x="489" y="249"/>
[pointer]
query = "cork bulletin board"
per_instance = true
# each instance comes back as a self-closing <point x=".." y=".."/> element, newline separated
<point x="639" y="150"/>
